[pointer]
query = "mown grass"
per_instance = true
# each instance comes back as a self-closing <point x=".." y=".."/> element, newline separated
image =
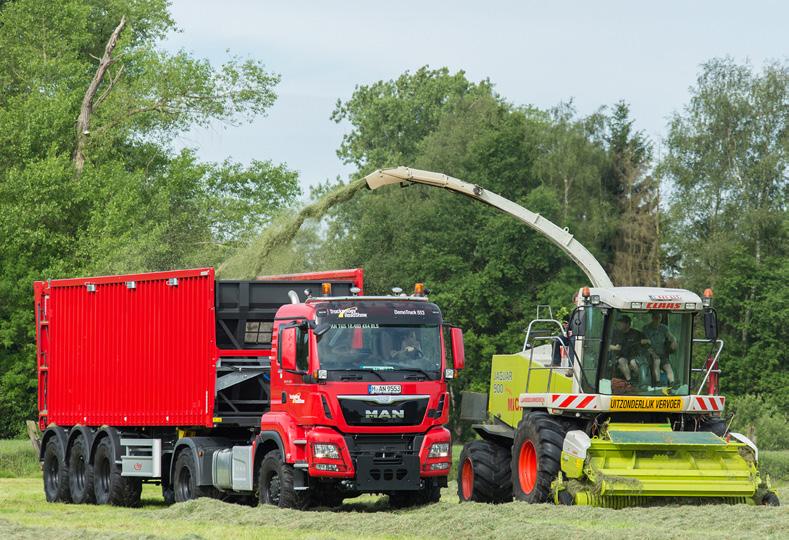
<point x="25" y="514"/>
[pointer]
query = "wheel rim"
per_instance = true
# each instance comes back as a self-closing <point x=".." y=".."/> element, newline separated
<point x="274" y="488"/>
<point x="467" y="479"/>
<point x="185" y="483"/>
<point x="79" y="473"/>
<point x="103" y="475"/>
<point x="527" y="467"/>
<point x="51" y="478"/>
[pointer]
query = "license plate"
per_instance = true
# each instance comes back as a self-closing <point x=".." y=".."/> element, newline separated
<point x="384" y="389"/>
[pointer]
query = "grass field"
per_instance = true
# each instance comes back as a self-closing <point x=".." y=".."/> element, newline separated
<point x="25" y="514"/>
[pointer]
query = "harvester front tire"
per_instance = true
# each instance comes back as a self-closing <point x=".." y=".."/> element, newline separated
<point x="714" y="424"/>
<point x="484" y="473"/>
<point x="108" y="484"/>
<point x="771" y="499"/>
<point x="56" y="484"/>
<point x="536" y="457"/>
<point x="277" y="486"/>
<point x="80" y="473"/>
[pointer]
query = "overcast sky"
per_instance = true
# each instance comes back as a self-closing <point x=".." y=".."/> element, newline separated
<point x="539" y="53"/>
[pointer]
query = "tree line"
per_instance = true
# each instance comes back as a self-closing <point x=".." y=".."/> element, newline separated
<point x="708" y="210"/>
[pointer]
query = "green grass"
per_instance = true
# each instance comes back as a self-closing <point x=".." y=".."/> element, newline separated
<point x="25" y="514"/>
<point x="18" y="459"/>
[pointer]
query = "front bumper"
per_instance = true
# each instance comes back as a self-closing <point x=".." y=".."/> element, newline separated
<point x="381" y="462"/>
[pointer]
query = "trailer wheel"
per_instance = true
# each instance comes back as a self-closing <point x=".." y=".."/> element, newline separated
<point x="276" y="484"/>
<point x="484" y="473"/>
<point x="56" y="483"/>
<point x="80" y="473"/>
<point x="108" y="484"/>
<point x="536" y="455"/>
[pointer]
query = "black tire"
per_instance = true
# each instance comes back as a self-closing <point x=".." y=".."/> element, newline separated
<point x="714" y="424"/>
<point x="536" y="456"/>
<point x="56" y="484"/>
<point x="276" y="484"/>
<point x="484" y="473"/>
<point x="80" y="473"/>
<point x="168" y="494"/>
<point x="184" y="481"/>
<point x="770" y="499"/>
<point x="429" y="494"/>
<point x="109" y="486"/>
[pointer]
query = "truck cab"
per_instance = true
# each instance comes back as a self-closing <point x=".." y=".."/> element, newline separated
<point x="359" y="395"/>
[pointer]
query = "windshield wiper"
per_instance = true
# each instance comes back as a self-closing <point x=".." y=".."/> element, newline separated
<point x="358" y="378"/>
<point x="414" y="370"/>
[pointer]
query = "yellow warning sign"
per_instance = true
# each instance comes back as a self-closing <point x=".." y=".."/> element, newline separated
<point x="646" y="404"/>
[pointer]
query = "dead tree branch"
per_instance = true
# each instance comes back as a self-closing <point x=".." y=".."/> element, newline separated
<point x="83" y="121"/>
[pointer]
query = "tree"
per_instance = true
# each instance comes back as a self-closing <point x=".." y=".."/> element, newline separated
<point x="89" y="181"/>
<point x="728" y="161"/>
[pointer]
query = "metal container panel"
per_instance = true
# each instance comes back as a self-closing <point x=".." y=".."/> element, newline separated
<point x="122" y="355"/>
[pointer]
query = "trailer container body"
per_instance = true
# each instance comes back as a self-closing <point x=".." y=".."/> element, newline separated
<point x="220" y="387"/>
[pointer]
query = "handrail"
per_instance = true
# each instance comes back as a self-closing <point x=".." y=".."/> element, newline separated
<point x="714" y="362"/>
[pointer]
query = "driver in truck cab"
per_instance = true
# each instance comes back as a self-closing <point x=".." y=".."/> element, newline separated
<point x="410" y="347"/>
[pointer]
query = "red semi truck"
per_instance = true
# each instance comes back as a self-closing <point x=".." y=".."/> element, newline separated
<point x="289" y="390"/>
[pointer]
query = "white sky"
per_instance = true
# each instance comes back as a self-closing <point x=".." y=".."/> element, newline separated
<point x="539" y="53"/>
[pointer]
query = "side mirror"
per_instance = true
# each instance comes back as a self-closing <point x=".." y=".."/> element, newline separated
<point x="458" y="350"/>
<point x="710" y="325"/>
<point x="577" y="323"/>
<point x="286" y="348"/>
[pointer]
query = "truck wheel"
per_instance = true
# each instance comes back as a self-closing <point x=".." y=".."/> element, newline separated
<point x="484" y="473"/>
<point x="56" y="484"/>
<point x="80" y="473"/>
<point x="429" y="494"/>
<point x="108" y="484"/>
<point x="184" y="479"/>
<point x="276" y="485"/>
<point x="536" y="455"/>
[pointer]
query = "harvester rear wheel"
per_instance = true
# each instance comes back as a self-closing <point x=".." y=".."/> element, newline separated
<point x="536" y="455"/>
<point x="483" y="473"/>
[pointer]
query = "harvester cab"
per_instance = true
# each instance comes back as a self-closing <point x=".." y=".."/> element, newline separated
<point x="607" y="409"/>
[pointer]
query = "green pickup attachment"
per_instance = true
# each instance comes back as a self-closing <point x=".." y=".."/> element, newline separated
<point x="642" y="464"/>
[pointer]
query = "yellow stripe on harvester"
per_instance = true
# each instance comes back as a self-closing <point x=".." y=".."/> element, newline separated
<point x="646" y="404"/>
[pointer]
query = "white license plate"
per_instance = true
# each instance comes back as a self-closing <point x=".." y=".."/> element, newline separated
<point x="384" y="389"/>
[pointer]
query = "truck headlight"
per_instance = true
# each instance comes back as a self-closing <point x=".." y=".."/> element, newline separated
<point x="438" y="450"/>
<point x="324" y="450"/>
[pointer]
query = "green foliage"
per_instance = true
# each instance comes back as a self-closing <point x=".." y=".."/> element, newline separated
<point x="728" y="163"/>
<point x="775" y="463"/>
<point x="137" y="205"/>
<point x="760" y="420"/>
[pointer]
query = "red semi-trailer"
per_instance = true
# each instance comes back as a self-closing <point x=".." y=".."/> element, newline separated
<point x="291" y="390"/>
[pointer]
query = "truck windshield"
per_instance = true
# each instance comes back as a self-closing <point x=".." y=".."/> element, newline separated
<point x="389" y="350"/>
<point x="646" y="353"/>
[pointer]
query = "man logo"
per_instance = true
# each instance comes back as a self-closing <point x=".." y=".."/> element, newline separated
<point x="375" y="414"/>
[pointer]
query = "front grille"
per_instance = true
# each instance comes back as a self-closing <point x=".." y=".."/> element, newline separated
<point x="371" y="413"/>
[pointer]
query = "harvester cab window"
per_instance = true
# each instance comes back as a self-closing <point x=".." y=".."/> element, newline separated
<point x="594" y="320"/>
<point x="648" y="353"/>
